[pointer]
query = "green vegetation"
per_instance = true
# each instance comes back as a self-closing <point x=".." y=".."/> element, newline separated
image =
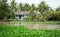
<point x="44" y="11"/>
<point x="21" y="31"/>
<point x="4" y="9"/>
<point x="46" y="15"/>
<point x="37" y="22"/>
<point x="54" y="16"/>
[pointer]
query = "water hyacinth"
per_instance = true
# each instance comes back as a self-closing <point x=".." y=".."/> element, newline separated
<point x="21" y="31"/>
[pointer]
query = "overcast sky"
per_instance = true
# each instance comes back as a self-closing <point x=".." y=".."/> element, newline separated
<point x="51" y="3"/>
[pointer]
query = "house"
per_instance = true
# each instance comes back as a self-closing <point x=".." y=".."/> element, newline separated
<point x="21" y="14"/>
<point x="24" y="14"/>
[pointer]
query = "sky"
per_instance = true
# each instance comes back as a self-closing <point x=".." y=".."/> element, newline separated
<point x="52" y="3"/>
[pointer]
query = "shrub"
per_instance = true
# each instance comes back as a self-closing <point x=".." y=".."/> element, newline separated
<point x="54" y="16"/>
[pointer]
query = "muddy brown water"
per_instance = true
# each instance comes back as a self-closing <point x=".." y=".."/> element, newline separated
<point x="35" y="25"/>
<point x="42" y="26"/>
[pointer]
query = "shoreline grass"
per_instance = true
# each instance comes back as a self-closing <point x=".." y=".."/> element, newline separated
<point x="39" y="22"/>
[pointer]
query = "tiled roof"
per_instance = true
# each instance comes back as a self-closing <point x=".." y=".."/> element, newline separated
<point x="22" y="13"/>
<point x="26" y="12"/>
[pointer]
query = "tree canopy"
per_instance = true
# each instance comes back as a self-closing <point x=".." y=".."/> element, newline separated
<point x="7" y="11"/>
<point x="4" y="9"/>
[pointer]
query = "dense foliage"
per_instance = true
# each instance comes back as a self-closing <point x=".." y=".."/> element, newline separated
<point x="46" y="12"/>
<point x="4" y="9"/>
<point x="54" y="16"/>
<point x="7" y="10"/>
<point x="43" y="7"/>
<point x="21" y="31"/>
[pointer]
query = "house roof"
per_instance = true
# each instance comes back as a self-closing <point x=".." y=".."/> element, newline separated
<point x="26" y="12"/>
<point x="22" y="13"/>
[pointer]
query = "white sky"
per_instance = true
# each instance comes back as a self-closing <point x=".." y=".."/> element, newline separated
<point x="51" y="3"/>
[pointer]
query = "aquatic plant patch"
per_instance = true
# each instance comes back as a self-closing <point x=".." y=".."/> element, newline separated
<point x="21" y="31"/>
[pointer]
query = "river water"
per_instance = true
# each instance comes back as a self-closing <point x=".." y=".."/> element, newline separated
<point x="37" y="25"/>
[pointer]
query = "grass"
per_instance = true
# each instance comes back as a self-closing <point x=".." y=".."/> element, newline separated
<point x="21" y="31"/>
<point x="38" y="22"/>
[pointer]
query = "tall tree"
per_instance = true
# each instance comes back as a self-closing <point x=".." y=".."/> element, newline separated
<point x="21" y="7"/>
<point x="33" y="7"/>
<point x="43" y="7"/>
<point x="32" y="16"/>
<point x="13" y="8"/>
<point x="13" y="5"/>
<point x="4" y="9"/>
<point x="26" y="7"/>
